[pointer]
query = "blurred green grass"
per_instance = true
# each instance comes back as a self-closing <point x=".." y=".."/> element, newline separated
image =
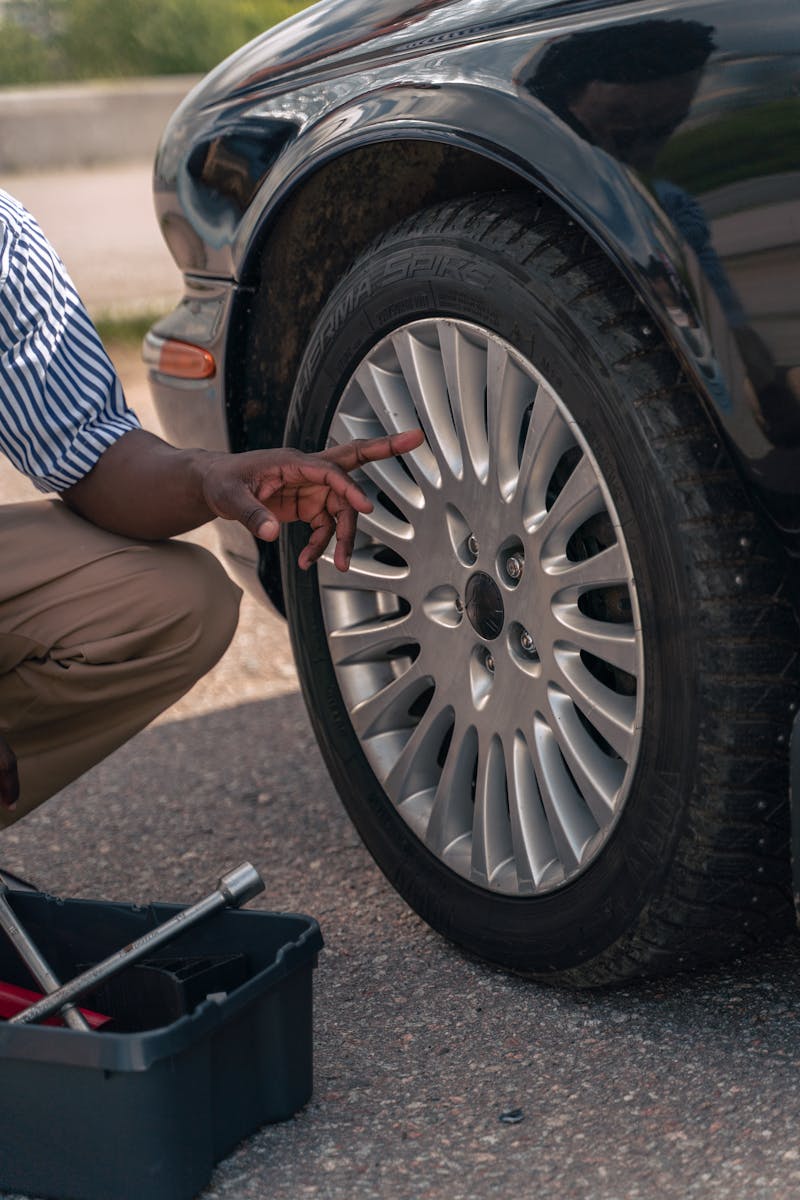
<point x="125" y="329"/>
<point x="46" y="41"/>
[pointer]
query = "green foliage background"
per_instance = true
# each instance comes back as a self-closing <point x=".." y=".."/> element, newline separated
<point x="758" y="141"/>
<point x="48" y="40"/>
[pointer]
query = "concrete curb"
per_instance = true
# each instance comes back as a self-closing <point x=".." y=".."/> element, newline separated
<point x="85" y="124"/>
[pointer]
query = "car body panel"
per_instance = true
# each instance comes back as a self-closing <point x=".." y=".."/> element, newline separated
<point x="707" y="233"/>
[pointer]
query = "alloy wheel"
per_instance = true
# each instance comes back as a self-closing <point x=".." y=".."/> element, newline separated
<point x="486" y="639"/>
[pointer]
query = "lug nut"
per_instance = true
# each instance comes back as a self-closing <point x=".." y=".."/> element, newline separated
<point x="472" y="545"/>
<point x="514" y="566"/>
<point x="489" y="663"/>
<point x="527" y="642"/>
<point x="459" y="604"/>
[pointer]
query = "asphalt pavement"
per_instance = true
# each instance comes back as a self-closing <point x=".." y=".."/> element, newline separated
<point x="681" y="1088"/>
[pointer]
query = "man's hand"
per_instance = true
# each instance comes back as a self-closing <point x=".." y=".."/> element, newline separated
<point x="265" y="488"/>
<point x="9" y="779"/>
<point x="144" y="488"/>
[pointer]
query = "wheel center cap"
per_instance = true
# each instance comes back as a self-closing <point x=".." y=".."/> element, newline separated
<point x="484" y="605"/>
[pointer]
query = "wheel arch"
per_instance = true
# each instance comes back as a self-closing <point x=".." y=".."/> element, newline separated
<point x="305" y="244"/>
<point x="301" y="250"/>
<point x="307" y="235"/>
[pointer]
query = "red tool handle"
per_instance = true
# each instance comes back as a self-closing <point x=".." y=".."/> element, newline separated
<point x="14" y="999"/>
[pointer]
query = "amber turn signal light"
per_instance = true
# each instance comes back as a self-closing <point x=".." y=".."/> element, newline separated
<point x="182" y="360"/>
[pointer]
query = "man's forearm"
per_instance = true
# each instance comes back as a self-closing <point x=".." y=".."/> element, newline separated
<point x="144" y="488"/>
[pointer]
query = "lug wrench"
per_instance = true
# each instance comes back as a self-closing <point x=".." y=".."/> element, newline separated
<point x="36" y="963"/>
<point x="234" y="888"/>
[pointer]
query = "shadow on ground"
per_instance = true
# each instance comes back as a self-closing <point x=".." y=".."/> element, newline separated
<point x="677" y="1088"/>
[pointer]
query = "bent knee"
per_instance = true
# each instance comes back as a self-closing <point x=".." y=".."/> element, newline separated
<point x="203" y="601"/>
<point x="159" y="602"/>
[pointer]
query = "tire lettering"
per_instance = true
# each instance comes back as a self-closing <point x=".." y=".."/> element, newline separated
<point x="467" y="302"/>
<point x="401" y="308"/>
<point x="408" y="264"/>
<point x="467" y="270"/>
<point x="396" y="268"/>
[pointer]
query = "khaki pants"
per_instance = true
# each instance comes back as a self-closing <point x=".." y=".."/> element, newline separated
<point x="98" y="635"/>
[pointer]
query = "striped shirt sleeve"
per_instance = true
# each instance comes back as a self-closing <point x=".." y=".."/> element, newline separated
<point x="61" y="401"/>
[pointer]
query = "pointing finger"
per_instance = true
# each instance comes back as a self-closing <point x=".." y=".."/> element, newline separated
<point x="354" y="454"/>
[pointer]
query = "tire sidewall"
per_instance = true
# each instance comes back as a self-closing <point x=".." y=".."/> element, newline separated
<point x="437" y="275"/>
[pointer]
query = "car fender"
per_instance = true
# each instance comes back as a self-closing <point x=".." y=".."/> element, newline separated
<point x="602" y="195"/>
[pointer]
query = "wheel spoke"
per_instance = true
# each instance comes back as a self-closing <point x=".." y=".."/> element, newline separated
<point x="579" y="499"/>
<point x="425" y="379"/>
<point x="607" y="568"/>
<point x="548" y="438"/>
<point x="492" y="848"/>
<point x="387" y="529"/>
<point x="572" y="826"/>
<point x="509" y="397"/>
<point x="535" y="851"/>
<point x="372" y="640"/>
<point x="613" y="643"/>
<point x="451" y="814"/>
<point x="465" y="373"/>
<point x="415" y="773"/>
<point x="347" y="426"/>
<point x="389" y="707"/>
<point x="365" y="573"/>
<point x="389" y="397"/>
<point x="598" y="775"/>
<point x="613" y="715"/>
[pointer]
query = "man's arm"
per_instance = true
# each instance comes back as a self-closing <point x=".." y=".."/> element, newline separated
<point x="143" y="487"/>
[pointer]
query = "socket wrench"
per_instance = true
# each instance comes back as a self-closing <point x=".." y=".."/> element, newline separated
<point x="36" y="963"/>
<point x="233" y="889"/>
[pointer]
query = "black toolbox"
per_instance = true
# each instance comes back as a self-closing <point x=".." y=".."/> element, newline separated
<point x="146" y="1115"/>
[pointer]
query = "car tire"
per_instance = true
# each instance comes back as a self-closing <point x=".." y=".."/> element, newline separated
<point x="554" y="690"/>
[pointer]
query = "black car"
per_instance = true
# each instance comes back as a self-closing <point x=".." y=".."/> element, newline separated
<point x="557" y="687"/>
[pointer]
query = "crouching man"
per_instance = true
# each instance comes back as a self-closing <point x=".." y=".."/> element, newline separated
<point x="104" y="622"/>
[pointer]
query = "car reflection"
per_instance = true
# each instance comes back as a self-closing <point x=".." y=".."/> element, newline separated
<point x="627" y="89"/>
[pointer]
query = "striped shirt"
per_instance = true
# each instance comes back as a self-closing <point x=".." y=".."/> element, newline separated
<point x="61" y="402"/>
